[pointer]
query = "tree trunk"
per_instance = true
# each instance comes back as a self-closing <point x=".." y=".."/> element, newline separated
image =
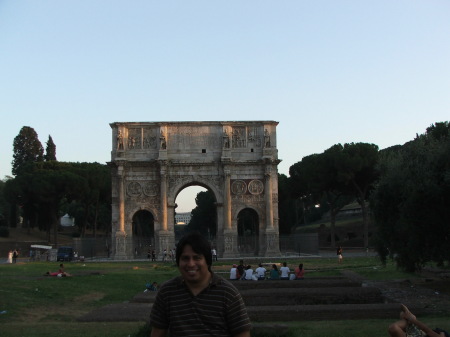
<point x="333" y="228"/>
<point x="366" y="220"/>
<point x="95" y="218"/>
<point x="48" y="234"/>
<point x="55" y="228"/>
<point x="362" y="203"/>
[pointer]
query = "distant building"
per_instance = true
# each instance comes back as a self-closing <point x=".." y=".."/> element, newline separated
<point x="183" y="218"/>
<point x="67" y="221"/>
<point x="352" y="209"/>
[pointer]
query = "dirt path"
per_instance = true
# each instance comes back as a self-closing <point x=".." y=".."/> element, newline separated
<point x="430" y="292"/>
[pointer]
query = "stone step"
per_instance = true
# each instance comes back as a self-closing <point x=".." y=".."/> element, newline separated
<point x="147" y="297"/>
<point x="281" y="295"/>
<point x="311" y="296"/>
<point x="119" y="312"/>
<point x="306" y="283"/>
<point x="136" y="312"/>
<point x="327" y="312"/>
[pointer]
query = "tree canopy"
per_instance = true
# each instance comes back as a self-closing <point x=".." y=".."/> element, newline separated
<point x="204" y="215"/>
<point x="339" y="174"/>
<point x="47" y="190"/>
<point x="411" y="201"/>
<point x="27" y="149"/>
<point x="50" y="150"/>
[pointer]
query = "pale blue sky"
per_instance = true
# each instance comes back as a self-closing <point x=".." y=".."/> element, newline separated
<point x="328" y="71"/>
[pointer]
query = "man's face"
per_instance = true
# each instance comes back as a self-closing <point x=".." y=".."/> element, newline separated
<point x="193" y="266"/>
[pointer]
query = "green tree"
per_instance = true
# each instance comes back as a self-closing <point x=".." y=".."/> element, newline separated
<point x="5" y="206"/>
<point x="410" y="202"/>
<point x="287" y="206"/>
<point x="47" y="190"/>
<point x="52" y="180"/>
<point x="18" y="191"/>
<point x="50" y="150"/>
<point x="39" y="190"/>
<point x="90" y="198"/>
<point x="357" y="169"/>
<point x="27" y="149"/>
<point x="316" y="176"/>
<point x="438" y="130"/>
<point x="204" y="215"/>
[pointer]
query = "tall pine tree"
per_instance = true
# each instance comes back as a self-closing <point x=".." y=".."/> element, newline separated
<point x="50" y="150"/>
<point x="27" y="149"/>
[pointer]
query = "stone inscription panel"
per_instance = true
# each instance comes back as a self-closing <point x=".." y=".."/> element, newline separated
<point x="194" y="140"/>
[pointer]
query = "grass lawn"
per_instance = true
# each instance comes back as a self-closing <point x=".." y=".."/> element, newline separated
<point x="36" y="305"/>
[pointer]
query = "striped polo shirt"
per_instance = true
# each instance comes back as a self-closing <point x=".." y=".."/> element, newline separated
<point x="217" y="311"/>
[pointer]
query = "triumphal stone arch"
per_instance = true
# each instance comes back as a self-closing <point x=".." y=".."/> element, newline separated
<point x="152" y="162"/>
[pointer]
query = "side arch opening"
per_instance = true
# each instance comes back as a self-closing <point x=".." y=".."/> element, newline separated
<point x="143" y="224"/>
<point x="248" y="232"/>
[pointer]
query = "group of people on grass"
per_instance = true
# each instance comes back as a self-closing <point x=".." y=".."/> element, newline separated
<point x="246" y="272"/>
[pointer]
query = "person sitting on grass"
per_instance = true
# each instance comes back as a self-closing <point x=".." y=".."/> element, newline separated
<point x="410" y="326"/>
<point x="274" y="273"/>
<point x="248" y="273"/>
<point x="299" y="272"/>
<point x="284" y="272"/>
<point x="151" y="286"/>
<point x="261" y="272"/>
<point x="234" y="275"/>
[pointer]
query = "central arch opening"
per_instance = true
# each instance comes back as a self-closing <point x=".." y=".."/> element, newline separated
<point x="143" y="224"/>
<point x="203" y="215"/>
<point x="248" y="232"/>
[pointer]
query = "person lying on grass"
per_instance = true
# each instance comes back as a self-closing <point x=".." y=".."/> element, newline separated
<point x="410" y="326"/>
<point x="59" y="273"/>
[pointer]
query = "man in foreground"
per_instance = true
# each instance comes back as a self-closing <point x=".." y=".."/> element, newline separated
<point x="198" y="303"/>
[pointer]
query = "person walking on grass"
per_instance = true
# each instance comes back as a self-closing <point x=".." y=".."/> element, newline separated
<point x="339" y="254"/>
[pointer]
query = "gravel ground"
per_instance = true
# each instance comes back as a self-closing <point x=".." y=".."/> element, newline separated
<point x="430" y="292"/>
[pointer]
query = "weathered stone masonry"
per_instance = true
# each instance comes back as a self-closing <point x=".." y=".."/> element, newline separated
<point x="152" y="162"/>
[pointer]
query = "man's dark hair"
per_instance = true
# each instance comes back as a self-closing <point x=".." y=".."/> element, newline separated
<point x="199" y="245"/>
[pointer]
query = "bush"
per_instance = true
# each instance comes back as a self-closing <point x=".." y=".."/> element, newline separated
<point x="4" y="231"/>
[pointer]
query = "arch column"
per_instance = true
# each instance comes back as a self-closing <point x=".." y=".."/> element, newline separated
<point x="227" y="201"/>
<point x="229" y="233"/>
<point x="163" y="196"/>
<point x="121" y="235"/>
<point x="165" y="238"/>
<point x="271" y="237"/>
